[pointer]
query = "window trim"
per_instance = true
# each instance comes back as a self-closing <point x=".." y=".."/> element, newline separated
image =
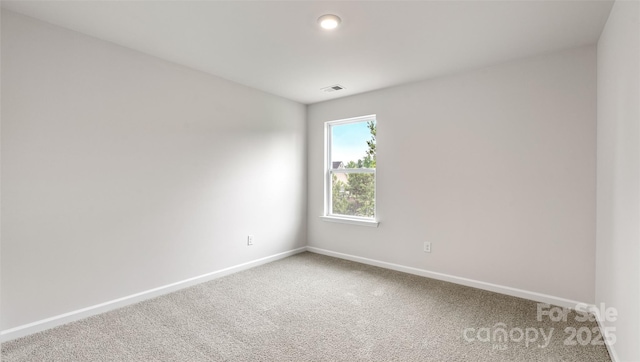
<point x="329" y="171"/>
<point x="353" y="220"/>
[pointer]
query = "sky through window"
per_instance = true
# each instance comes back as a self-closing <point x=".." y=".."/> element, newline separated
<point x="349" y="142"/>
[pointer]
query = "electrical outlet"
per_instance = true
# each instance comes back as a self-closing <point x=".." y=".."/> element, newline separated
<point x="249" y="240"/>
<point x="427" y="247"/>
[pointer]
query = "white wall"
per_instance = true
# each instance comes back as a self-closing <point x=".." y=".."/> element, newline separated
<point x="618" y="233"/>
<point x="0" y="176"/>
<point x="495" y="167"/>
<point x="123" y="172"/>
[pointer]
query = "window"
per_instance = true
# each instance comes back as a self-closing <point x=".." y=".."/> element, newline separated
<point x="350" y="170"/>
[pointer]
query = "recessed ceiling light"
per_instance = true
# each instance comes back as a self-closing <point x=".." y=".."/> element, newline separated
<point x="329" y="21"/>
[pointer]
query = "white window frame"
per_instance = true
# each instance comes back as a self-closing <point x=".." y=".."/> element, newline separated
<point x="329" y="171"/>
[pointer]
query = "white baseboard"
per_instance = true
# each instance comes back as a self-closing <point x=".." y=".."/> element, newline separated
<point x="41" y="325"/>
<point x="48" y="323"/>
<point x="606" y="335"/>
<point x="538" y="297"/>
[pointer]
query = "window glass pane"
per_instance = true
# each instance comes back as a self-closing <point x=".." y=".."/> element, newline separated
<point x="353" y="194"/>
<point x="353" y="145"/>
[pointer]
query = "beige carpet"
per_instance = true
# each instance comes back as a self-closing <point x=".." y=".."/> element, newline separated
<point x="310" y="307"/>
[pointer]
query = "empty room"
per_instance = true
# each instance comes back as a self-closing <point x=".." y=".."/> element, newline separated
<point x="320" y="181"/>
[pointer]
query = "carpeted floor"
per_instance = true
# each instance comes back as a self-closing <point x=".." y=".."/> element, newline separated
<point x="310" y="307"/>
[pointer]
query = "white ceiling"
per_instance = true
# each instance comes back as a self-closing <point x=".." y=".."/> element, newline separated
<point x="277" y="46"/>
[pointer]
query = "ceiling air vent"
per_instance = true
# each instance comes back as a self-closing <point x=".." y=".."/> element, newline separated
<point x="332" y="88"/>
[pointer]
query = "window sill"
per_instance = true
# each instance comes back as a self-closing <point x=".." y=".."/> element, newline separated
<point x="344" y="220"/>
